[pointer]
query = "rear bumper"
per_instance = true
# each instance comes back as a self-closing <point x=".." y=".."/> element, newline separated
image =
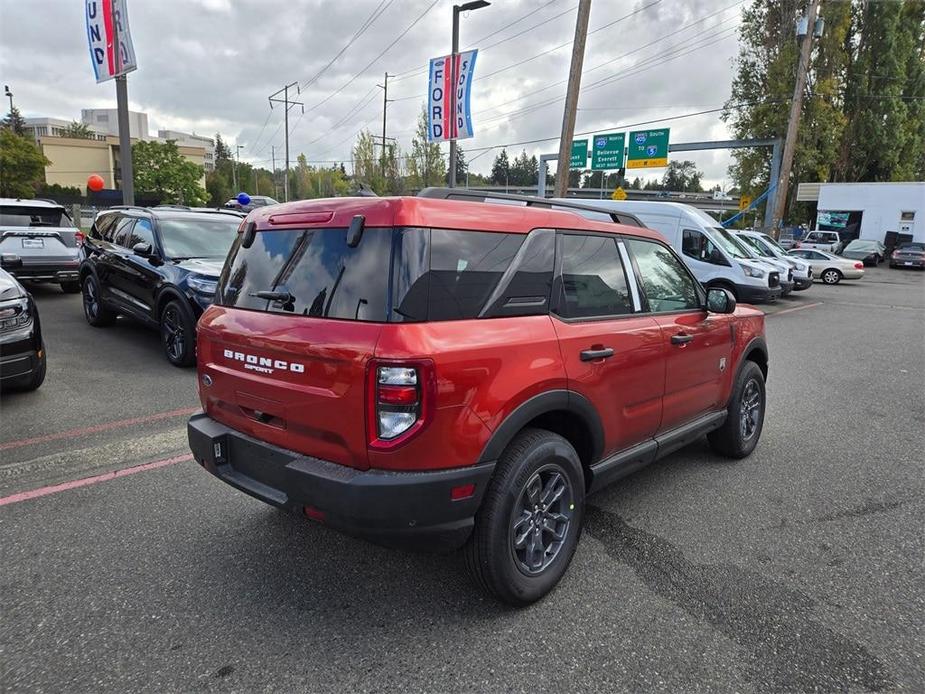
<point x="407" y="509"/>
<point x="907" y="262"/>
<point x="65" y="272"/>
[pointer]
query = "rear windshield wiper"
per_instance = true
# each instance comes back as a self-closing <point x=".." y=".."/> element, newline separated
<point x="284" y="297"/>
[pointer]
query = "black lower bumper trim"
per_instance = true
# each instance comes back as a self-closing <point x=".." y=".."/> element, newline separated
<point x="408" y="509"/>
<point x="751" y="294"/>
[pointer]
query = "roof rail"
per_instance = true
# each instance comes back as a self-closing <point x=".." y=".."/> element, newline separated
<point x="129" y="207"/>
<point x="529" y="201"/>
<point x="170" y="207"/>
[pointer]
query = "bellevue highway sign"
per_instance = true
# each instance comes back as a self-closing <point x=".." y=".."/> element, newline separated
<point x="607" y="151"/>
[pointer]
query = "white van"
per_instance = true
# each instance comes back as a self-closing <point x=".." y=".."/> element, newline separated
<point x="712" y="253"/>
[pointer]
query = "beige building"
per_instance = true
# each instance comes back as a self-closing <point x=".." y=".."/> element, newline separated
<point x="74" y="160"/>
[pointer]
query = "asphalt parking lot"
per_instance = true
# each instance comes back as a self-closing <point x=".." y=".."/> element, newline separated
<point x="797" y="569"/>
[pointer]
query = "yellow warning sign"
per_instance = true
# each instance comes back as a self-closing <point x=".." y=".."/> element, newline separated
<point x="618" y="194"/>
<point x="745" y="202"/>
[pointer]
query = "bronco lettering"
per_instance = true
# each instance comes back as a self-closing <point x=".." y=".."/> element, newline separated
<point x="258" y="363"/>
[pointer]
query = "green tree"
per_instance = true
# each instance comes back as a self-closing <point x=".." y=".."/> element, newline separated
<point x="426" y="163"/>
<point x="160" y="170"/>
<point x="501" y="169"/>
<point x="461" y="167"/>
<point x="222" y="152"/>
<point x="682" y="176"/>
<point x="367" y="169"/>
<point x="14" y="121"/>
<point x="22" y="165"/>
<point x="77" y="130"/>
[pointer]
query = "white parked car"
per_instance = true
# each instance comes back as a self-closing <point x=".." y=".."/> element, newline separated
<point x="829" y="267"/>
<point x="767" y="247"/>
<point x="828" y="241"/>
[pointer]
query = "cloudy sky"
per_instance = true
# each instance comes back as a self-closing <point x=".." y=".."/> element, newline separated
<point x="208" y="66"/>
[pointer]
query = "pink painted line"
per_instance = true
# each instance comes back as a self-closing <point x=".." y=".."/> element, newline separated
<point x="96" y="428"/>
<point x="795" y="308"/>
<point x="87" y="481"/>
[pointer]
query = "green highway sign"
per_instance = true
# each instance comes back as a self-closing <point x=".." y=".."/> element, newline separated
<point x="647" y="149"/>
<point x="607" y="151"/>
<point x="579" y="158"/>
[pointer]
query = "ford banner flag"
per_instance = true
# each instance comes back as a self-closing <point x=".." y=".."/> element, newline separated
<point x="111" y="50"/>
<point x="448" y="114"/>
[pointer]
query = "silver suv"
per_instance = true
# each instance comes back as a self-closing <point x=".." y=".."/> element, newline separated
<point x="39" y="242"/>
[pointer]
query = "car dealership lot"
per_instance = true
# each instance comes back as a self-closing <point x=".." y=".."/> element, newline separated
<point x="797" y="568"/>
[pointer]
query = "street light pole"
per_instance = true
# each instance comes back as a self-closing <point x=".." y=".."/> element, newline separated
<point x="8" y="93"/>
<point x="454" y="80"/>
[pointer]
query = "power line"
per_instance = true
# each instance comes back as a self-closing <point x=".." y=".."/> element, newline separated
<point x="374" y="60"/>
<point x="376" y="13"/>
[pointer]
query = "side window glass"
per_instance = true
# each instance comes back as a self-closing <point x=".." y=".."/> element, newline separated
<point x="122" y="231"/>
<point x="101" y="225"/>
<point x="667" y="283"/>
<point x="593" y="279"/>
<point x="142" y="232"/>
<point x="695" y="245"/>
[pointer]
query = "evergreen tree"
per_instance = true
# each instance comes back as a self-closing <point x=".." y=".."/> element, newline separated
<point x="501" y="169"/>
<point x="15" y="122"/>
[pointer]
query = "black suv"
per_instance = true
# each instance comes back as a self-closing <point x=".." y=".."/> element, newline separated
<point x="158" y="265"/>
<point x="22" y="351"/>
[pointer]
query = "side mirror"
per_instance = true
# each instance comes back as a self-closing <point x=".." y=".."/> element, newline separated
<point x="142" y="249"/>
<point x="720" y="300"/>
<point x="10" y="261"/>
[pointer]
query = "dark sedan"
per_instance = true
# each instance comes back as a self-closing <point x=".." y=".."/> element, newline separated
<point x="22" y="352"/>
<point x="868" y="252"/>
<point x="909" y="255"/>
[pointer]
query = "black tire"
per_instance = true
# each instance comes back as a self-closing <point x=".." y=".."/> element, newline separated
<point x="178" y="334"/>
<point x="95" y="311"/>
<point x="537" y="465"/>
<point x="70" y="287"/>
<point x="831" y="276"/>
<point x="740" y="432"/>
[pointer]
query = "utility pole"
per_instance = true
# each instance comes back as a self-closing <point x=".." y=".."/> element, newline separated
<point x="454" y="80"/>
<point x="275" y="187"/>
<point x="385" y="103"/>
<point x="234" y="166"/>
<point x="793" y="124"/>
<point x="571" y="97"/>
<point x="287" y="104"/>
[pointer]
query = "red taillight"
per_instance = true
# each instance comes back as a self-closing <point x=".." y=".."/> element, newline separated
<point x="796" y="245"/>
<point x="859" y="266"/>
<point x="895" y="255"/>
<point x="399" y="400"/>
<point x="316" y="514"/>
<point x="79" y="237"/>
<point x="398" y="395"/>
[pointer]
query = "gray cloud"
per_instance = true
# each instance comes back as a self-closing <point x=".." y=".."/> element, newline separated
<point x="209" y="65"/>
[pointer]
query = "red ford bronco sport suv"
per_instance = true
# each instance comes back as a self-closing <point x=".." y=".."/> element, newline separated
<point x="450" y="374"/>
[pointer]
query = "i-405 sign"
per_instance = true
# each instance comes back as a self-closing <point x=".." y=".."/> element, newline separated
<point x="607" y="151"/>
<point x="648" y="149"/>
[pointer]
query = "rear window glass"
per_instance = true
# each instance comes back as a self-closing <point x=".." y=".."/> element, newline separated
<point x="24" y="216"/>
<point x="393" y="275"/>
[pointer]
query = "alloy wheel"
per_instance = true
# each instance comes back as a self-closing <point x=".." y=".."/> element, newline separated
<point x="750" y="410"/>
<point x="91" y="300"/>
<point x="542" y="518"/>
<point x="172" y="334"/>
<point x="830" y="277"/>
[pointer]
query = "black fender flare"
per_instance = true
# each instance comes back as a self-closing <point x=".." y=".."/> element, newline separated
<point x="548" y="401"/>
<point x="756" y="343"/>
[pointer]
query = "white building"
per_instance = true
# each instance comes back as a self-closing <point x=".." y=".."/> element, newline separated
<point x="107" y="121"/>
<point x="54" y="127"/>
<point x="878" y="208"/>
<point x="192" y="140"/>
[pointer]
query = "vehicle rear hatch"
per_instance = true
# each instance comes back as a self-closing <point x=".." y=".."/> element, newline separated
<point x="297" y="318"/>
<point x="38" y="246"/>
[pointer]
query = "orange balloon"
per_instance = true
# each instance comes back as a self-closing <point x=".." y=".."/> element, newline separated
<point x="95" y="183"/>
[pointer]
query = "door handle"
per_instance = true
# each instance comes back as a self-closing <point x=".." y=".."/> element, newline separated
<point x="681" y="339"/>
<point x="592" y="354"/>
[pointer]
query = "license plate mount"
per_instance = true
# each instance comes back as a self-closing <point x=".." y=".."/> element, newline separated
<point x="33" y="243"/>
